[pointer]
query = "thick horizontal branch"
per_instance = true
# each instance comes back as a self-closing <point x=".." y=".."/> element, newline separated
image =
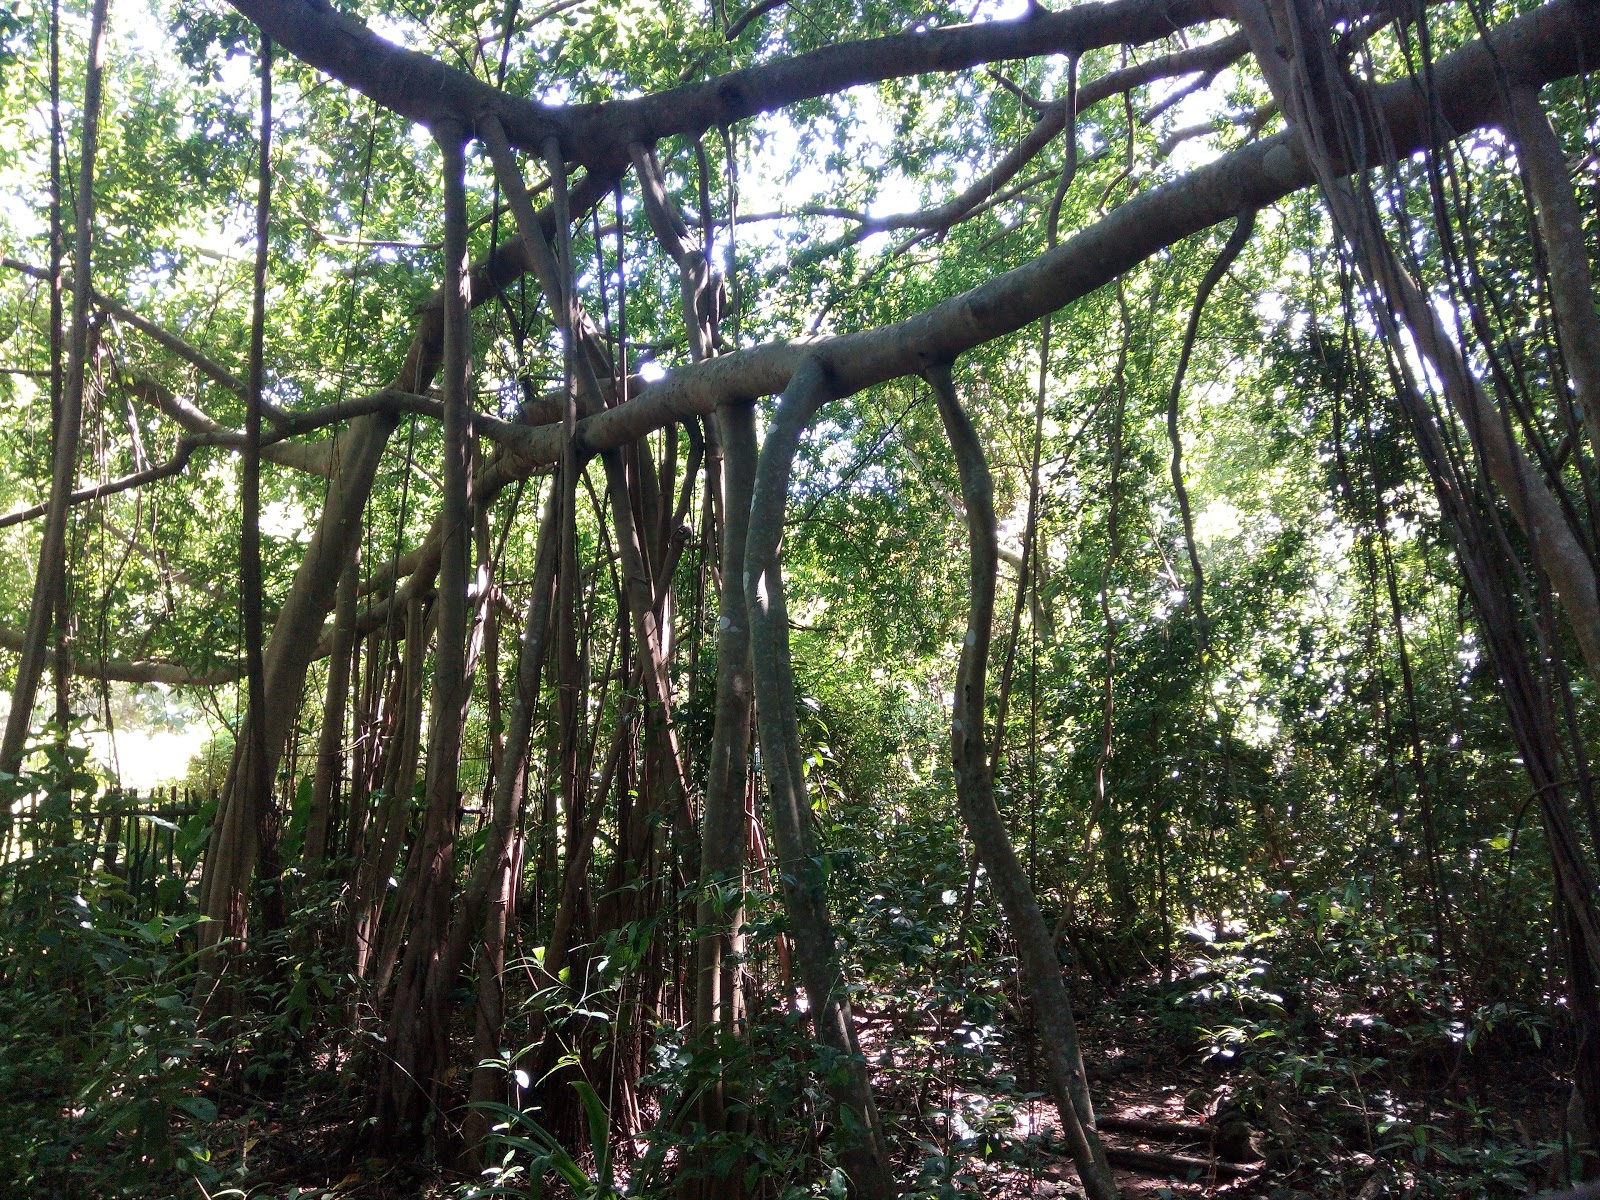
<point x="124" y="670"/>
<point x="1549" y="43"/>
<point x="390" y="400"/>
<point x="417" y="86"/>
<point x="598" y="135"/>
<point x="1543" y="45"/>
<point x="695" y="108"/>
<point x="1554" y="41"/>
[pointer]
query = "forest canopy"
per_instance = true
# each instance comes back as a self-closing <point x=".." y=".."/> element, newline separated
<point x="821" y="598"/>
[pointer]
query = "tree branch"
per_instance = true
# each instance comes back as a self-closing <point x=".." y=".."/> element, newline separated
<point x="1551" y="42"/>
<point x="598" y="135"/>
<point x="122" y="670"/>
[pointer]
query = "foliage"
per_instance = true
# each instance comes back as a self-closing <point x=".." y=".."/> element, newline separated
<point x="101" y="1065"/>
<point x="1275" y="817"/>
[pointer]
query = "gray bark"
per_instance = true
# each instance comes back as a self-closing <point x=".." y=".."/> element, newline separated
<point x="1058" y="1031"/>
<point x="802" y="870"/>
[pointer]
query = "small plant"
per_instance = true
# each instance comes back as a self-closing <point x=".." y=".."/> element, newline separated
<point x="526" y="1155"/>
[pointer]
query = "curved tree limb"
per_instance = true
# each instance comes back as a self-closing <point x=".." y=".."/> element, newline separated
<point x="179" y="460"/>
<point x="1545" y="44"/>
<point x="1236" y="242"/>
<point x="598" y="135"/>
<point x="1540" y="46"/>
<point x="389" y="400"/>
<point x="975" y="791"/>
<point x="803" y="871"/>
<point x="314" y="460"/>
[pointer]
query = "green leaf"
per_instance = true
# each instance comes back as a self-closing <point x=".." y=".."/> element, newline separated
<point x="199" y="1108"/>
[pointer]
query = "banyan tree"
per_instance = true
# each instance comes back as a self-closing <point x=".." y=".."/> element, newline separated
<point x="485" y="394"/>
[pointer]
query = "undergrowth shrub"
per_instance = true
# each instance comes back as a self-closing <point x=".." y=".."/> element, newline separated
<point x="1341" y="1034"/>
<point x="99" y="1044"/>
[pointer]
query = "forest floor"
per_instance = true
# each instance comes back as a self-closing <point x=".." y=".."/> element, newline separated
<point x="1359" y="1143"/>
<point x="1141" y="1076"/>
<point x="1440" y="1122"/>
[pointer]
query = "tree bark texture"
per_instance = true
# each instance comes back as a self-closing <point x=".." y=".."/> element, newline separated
<point x="723" y="832"/>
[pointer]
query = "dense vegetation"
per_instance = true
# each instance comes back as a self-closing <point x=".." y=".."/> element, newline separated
<point x="833" y="598"/>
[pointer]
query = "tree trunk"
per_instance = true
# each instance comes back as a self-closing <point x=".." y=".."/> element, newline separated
<point x="418" y="1025"/>
<point x="1305" y="89"/>
<point x="48" y="579"/>
<point x="803" y="873"/>
<point x="231" y="859"/>
<point x="1566" y="254"/>
<point x="720" y="911"/>
<point x="1058" y="1030"/>
<point x="330" y="739"/>
<point x="386" y="830"/>
<point x="495" y="874"/>
<point x="1309" y="89"/>
<point x="253" y="779"/>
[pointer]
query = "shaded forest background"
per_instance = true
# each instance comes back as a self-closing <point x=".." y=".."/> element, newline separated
<point x="829" y="598"/>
